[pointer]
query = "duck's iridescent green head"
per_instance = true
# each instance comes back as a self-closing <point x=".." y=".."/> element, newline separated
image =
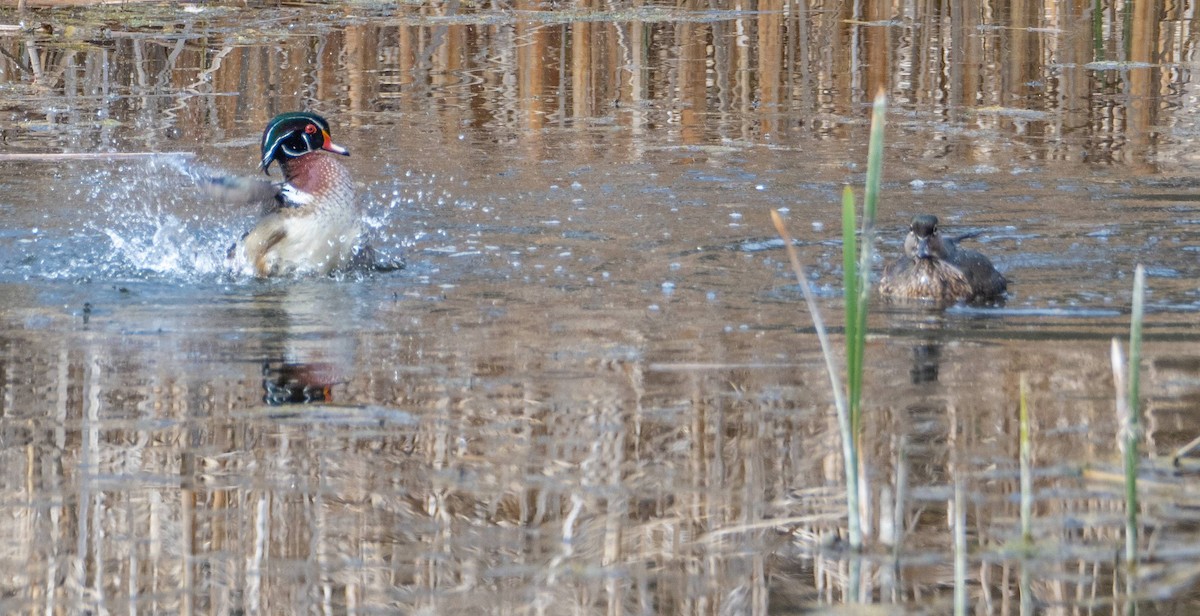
<point x="292" y="135"/>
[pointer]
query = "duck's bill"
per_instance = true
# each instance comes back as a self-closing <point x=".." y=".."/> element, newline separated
<point x="329" y="145"/>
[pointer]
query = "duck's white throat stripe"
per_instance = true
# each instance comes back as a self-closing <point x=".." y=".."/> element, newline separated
<point x="295" y="196"/>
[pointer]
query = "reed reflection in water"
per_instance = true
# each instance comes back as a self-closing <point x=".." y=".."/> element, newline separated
<point x="1066" y="80"/>
<point x="584" y="468"/>
<point x="467" y="437"/>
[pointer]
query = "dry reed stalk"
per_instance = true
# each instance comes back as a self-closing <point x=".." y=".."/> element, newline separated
<point x="55" y="156"/>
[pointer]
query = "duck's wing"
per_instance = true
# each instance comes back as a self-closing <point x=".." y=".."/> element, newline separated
<point x="986" y="281"/>
<point x="240" y="190"/>
<point x="367" y="259"/>
<point x="965" y="236"/>
<point x="233" y="189"/>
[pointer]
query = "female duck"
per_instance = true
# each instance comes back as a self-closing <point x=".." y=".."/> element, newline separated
<point x="315" y="225"/>
<point x="935" y="268"/>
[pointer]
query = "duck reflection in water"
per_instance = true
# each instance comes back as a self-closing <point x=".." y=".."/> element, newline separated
<point x="926" y="362"/>
<point x="295" y="383"/>
<point x="935" y="268"/>
<point x="303" y="360"/>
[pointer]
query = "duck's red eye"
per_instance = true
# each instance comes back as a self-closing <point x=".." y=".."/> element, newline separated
<point x="311" y="129"/>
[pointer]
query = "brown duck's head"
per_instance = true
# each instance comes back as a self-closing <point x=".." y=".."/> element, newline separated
<point x="924" y="241"/>
<point x="292" y="135"/>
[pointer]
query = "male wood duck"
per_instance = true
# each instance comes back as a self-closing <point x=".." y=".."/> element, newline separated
<point x="315" y="224"/>
<point x="935" y="268"/>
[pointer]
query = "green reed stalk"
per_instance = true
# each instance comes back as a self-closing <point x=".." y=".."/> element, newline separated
<point x="856" y="289"/>
<point x="1098" y="29"/>
<point x="852" y="280"/>
<point x="862" y="278"/>
<point x="1126" y="384"/>
<point x="850" y="292"/>
<point x="1132" y="419"/>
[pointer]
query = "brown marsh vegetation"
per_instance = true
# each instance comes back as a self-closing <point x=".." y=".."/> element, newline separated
<point x="594" y="389"/>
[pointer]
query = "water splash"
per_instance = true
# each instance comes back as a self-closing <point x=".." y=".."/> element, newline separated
<point x="102" y="219"/>
<point x="163" y="244"/>
<point x="156" y="223"/>
<point x="146" y="220"/>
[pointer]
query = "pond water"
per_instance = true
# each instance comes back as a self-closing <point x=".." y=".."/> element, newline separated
<point x="595" y="387"/>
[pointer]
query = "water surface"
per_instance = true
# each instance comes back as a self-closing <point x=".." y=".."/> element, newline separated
<point x="595" y="387"/>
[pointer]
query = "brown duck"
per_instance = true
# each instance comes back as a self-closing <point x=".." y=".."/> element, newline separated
<point x="935" y="268"/>
<point x="315" y="225"/>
